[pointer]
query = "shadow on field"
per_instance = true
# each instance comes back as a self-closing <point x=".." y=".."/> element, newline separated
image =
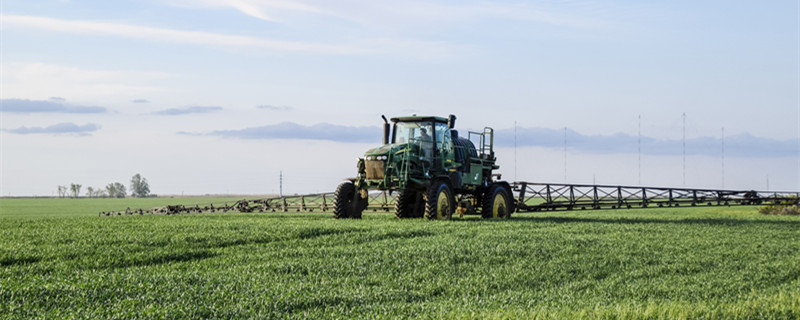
<point x="312" y="233"/>
<point x="11" y="261"/>
<point x="359" y="235"/>
<point x="162" y="259"/>
<point x="689" y="221"/>
<point x="401" y="234"/>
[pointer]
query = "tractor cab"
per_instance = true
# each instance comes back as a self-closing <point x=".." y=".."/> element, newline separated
<point x="430" y="135"/>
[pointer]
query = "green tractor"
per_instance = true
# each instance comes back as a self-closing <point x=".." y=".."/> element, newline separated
<point x="435" y="172"/>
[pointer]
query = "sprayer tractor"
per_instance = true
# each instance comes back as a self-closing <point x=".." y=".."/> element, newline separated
<point x="435" y="172"/>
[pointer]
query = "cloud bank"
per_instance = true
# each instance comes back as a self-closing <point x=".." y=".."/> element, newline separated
<point x="741" y="145"/>
<point x="418" y="48"/>
<point x="188" y="110"/>
<point x="58" y="129"/>
<point x="274" y="108"/>
<point x="55" y="105"/>
<point x="289" y="130"/>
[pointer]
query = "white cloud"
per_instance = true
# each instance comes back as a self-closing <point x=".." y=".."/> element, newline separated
<point x="422" y="49"/>
<point x="408" y="14"/>
<point x="41" y="81"/>
<point x="261" y="9"/>
<point x="162" y="34"/>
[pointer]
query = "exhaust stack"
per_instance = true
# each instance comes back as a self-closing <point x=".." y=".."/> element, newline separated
<point x="385" y="130"/>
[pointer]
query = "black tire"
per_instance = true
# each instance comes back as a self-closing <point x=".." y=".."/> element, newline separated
<point x="343" y="206"/>
<point x="497" y="202"/>
<point x="360" y="207"/>
<point x="408" y="205"/>
<point x="439" y="202"/>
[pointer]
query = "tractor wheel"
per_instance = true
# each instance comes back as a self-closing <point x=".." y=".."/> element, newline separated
<point x="343" y="206"/>
<point x="439" y="202"/>
<point x="497" y="202"/>
<point x="407" y="204"/>
<point x="362" y="205"/>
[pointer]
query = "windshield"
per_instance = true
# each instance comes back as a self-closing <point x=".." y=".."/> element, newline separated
<point x="411" y="131"/>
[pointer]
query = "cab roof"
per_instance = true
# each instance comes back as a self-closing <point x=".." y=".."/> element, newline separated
<point x="419" y="119"/>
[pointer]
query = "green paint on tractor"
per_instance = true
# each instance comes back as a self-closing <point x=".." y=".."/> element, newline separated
<point x="436" y="172"/>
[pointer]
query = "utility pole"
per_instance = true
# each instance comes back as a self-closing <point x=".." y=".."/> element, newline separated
<point x="281" y="182"/>
<point x="565" y="154"/>
<point x="723" y="157"/>
<point x="515" y="151"/>
<point x="639" y="146"/>
<point x="684" y="149"/>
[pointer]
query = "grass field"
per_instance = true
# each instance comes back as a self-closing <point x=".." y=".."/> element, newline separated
<point x="59" y="260"/>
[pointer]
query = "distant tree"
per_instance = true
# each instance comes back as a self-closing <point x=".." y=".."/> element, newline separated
<point x="62" y="191"/>
<point x="116" y="190"/>
<point x="76" y="190"/>
<point x="89" y="192"/>
<point x="121" y="192"/>
<point x="139" y="187"/>
<point x="98" y="193"/>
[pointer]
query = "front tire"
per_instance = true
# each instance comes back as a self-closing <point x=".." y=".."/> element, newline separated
<point x="343" y="202"/>
<point x="497" y="202"/>
<point x="439" y="202"/>
<point x="407" y="205"/>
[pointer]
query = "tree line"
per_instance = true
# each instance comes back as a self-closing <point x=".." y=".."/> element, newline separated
<point x="139" y="188"/>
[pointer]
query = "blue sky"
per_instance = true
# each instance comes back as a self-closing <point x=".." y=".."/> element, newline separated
<point x="212" y="96"/>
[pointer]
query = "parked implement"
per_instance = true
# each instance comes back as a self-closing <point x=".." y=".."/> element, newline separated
<point x="434" y="171"/>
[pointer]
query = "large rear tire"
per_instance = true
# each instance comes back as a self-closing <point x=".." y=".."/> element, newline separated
<point x="439" y="202"/>
<point x="408" y="205"/>
<point x="497" y="202"/>
<point x="343" y="202"/>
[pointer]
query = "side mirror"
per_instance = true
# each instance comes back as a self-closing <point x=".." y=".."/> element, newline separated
<point x="451" y="121"/>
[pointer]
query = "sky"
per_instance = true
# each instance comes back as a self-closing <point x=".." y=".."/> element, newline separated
<point x="228" y="97"/>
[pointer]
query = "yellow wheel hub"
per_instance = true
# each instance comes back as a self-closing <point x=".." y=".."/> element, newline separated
<point x="500" y="207"/>
<point x="443" y="206"/>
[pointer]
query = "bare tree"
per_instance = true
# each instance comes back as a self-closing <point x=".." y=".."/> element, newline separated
<point x="62" y="191"/>
<point x="76" y="190"/>
<point x="139" y="187"/>
<point x="89" y="192"/>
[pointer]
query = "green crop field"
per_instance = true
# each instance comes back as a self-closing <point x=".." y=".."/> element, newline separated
<point x="58" y="260"/>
